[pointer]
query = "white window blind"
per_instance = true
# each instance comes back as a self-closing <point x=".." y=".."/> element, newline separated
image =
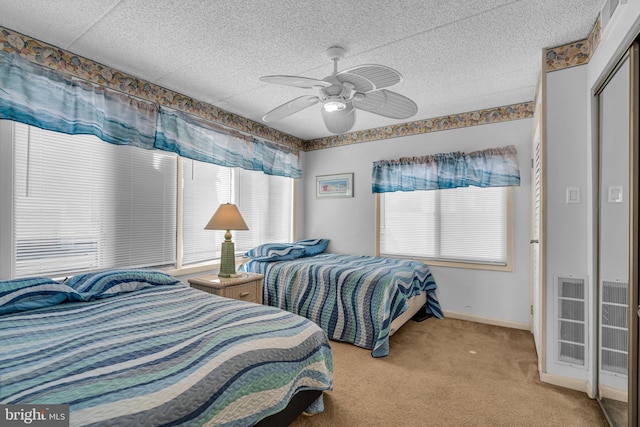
<point x="266" y="204"/>
<point x="83" y="204"/>
<point x="205" y="187"/>
<point x="264" y="201"/>
<point x="466" y="224"/>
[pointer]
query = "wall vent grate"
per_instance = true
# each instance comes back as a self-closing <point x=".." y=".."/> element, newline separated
<point x="614" y="329"/>
<point x="571" y="320"/>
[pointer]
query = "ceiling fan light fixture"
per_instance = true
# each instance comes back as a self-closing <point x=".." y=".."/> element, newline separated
<point x="363" y="87"/>
<point x="334" y="105"/>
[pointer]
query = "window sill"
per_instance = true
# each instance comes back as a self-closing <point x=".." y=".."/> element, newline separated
<point x="193" y="268"/>
<point x="469" y="265"/>
<point x="458" y="264"/>
<point x="201" y="267"/>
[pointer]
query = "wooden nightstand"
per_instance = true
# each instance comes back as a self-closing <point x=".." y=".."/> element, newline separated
<point x="247" y="287"/>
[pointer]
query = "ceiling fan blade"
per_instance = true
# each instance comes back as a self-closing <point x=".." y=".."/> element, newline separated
<point x="367" y="78"/>
<point x="296" y="81"/>
<point x="388" y="104"/>
<point x="291" y="107"/>
<point x="340" y="121"/>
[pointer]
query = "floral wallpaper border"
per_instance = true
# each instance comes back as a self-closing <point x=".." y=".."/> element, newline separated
<point x="58" y="59"/>
<point x="557" y="58"/>
<point x="573" y="54"/>
<point x="473" y="118"/>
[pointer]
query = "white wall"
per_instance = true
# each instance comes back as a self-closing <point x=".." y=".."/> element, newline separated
<point x="571" y="161"/>
<point x="6" y="193"/>
<point x="350" y="223"/>
<point x="298" y="198"/>
<point x="568" y="236"/>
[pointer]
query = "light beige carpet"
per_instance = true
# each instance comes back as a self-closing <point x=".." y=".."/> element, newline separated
<point x="449" y="373"/>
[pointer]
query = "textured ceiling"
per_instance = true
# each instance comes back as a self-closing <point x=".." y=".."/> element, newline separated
<point x="455" y="55"/>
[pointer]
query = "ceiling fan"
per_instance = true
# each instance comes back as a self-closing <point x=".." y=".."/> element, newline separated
<point x="360" y="87"/>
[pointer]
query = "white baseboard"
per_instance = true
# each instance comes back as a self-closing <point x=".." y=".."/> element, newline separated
<point x="607" y="392"/>
<point x="487" y="320"/>
<point x="570" y="383"/>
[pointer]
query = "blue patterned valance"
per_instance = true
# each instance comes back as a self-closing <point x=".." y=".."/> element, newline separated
<point x="48" y="99"/>
<point x="276" y="160"/>
<point x="493" y="167"/>
<point x="198" y="139"/>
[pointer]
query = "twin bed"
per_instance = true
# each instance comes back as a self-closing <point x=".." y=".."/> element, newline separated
<point x="138" y="347"/>
<point x="362" y="300"/>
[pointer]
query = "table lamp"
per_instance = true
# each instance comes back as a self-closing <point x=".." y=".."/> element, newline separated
<point x="227" y="217"/>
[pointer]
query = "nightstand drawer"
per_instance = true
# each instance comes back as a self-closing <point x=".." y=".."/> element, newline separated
<point x="244" y="292"/>
<point x="243" y="287"/>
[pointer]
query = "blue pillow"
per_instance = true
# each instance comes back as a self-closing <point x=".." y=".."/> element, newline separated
<point x="104" y="284"/>
<point x="313" y="246"/>
<point x="276" y="252"/>
<point x="33" y="292"/>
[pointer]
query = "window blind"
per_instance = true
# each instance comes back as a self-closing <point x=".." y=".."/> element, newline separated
<point x="264" y="201"/>
<point x="81" y="204"/>
<point x="467" y="224"/>
<point x="205" y="187"/>
<point x="266" y="204"/>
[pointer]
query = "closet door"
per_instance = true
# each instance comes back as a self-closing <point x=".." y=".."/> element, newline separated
<point x="617" y="247"/>
<point x="634" y="241"/>
<point x="538" y="312"/>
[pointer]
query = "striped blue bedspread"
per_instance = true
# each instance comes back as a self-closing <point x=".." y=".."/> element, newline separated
<point x="165" y="355"/>
<point x="352" y="298"/>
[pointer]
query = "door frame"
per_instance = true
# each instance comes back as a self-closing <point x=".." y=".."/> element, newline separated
<point x="537" y="242"/>
<point x="634" y="232"/>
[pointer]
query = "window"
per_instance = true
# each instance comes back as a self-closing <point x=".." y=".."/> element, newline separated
<point x="82" y="204"/>
<point x="458" y="225"/>
<point x="205" y="187"/>
<point x="266" y="204"/>
<point x="264" y="201"/>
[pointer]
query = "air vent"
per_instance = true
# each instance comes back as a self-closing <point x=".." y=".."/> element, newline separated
<point x="571" y="320"/>
<point x="614" y="339"/>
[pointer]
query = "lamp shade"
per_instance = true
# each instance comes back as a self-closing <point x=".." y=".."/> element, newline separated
<point x="227" y="217"/>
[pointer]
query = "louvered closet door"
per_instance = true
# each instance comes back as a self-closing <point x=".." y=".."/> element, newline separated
<point x="535" y="237"/>
<point x="537" y="189"/>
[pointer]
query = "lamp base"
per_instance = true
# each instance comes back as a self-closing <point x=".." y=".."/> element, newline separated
<point x="227" y="260"/>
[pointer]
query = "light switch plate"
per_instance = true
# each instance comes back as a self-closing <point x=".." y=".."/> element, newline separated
<point x="573" y="195"/>
<point x="615" y="193"/>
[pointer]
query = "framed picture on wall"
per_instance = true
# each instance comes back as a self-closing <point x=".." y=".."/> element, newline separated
<point x="340" y="185"/>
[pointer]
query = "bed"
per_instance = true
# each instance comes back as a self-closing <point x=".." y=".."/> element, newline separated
<point x="362" y="300"/>
<point x="139" y="352"/>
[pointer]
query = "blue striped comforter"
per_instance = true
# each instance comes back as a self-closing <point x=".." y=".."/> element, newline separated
<point x="166" y="355"/>
<point x="352" y="298"/>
